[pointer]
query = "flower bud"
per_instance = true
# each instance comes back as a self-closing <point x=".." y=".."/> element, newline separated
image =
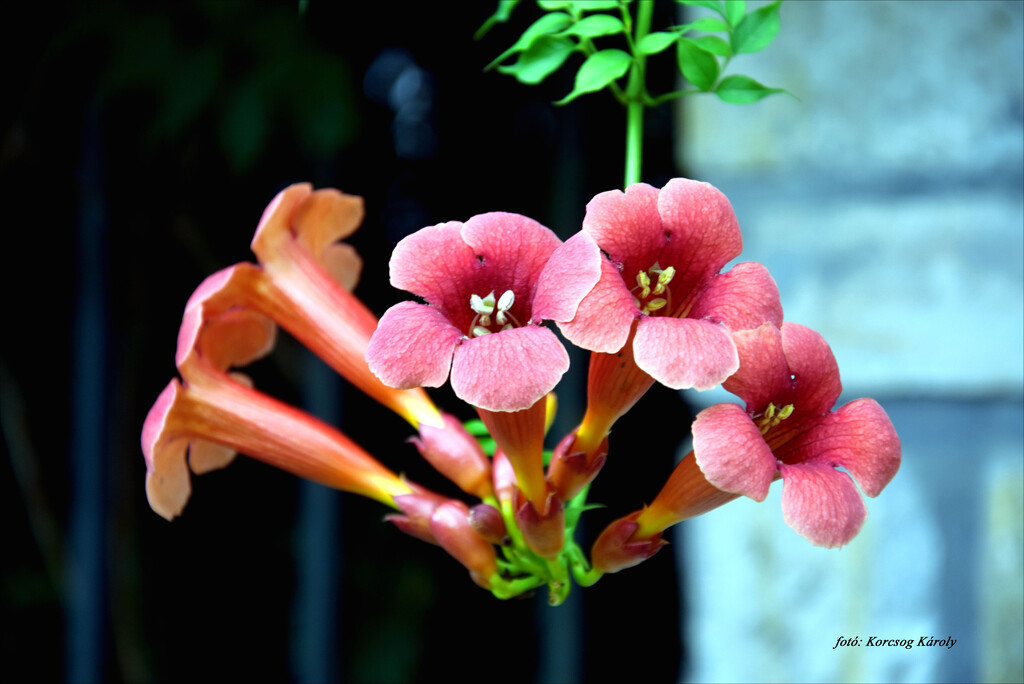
<point x="456" y="455"/>
<point x="451" y="527"/>
<point x="488" y="523"/>
<point x="616" y="549"/>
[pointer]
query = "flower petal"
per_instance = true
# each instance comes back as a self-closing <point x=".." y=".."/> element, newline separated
<point x="215" y="326"/>
<point x="412" y="346"/>
<point x="605" y="316"/>
<point x="742" y="299"/>
<point x="326" y="216"/>
<point x="821" y="503"/>
<point x="731" y="452"/>
<point x="816" y="385"/>
<point x="508" y="370"/>
<point x="571" y="272"/>
<point x="763" y="375"/>
<point x="703" y="232"/>
<point x="435" y="263"/>
<point x="168" y="485"/>
<point x="316" y="220"/>
<point x="859" y="437"/>
<point x="512" y="247"/>
<point x="682" y="353"/>
<point x="627" y="225"/>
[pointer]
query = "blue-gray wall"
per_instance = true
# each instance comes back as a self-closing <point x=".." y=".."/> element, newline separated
<point x="887" y="202"/>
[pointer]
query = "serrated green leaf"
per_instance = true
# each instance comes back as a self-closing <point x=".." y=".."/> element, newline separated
<point x="546" y="25"/>
<point x="734" y="11"/>
<point x="710" y="4"/>
<point x="714" y="45"/>
<point x="600" y="69"/>
<point x="542" y="59"/>
<point x="757" y="30"/>
<point x="699" y="66"/>
<point x="743" y="90"/>
<point x="653" y="43"/>
<point x="500" y="16"/>
<point x="595" y="26"/>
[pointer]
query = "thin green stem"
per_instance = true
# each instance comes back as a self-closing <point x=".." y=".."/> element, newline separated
<point x="635" y="95"/>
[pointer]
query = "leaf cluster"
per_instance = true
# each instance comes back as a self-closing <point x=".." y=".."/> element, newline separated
<point x="703" y="48"/>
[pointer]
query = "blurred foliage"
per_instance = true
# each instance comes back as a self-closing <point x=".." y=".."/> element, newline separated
<point x="253" y="72"/>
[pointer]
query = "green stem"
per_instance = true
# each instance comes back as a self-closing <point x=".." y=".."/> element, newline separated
<point x="635" y="97"/>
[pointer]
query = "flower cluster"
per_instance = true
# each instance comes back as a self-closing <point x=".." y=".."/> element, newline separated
<point x="640" y="286"/>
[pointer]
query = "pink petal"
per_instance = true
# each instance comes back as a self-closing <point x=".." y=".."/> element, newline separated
<point x="571" y="272"/>
<point x="508" y="370"/>
<point x="326" y="216"/>
<point x="731" y="452"/>
<point x="512" y="247"/>
<point x="605" y="316"/>
<point x="821" y="504"/>
<point x="275" y="224"/>
<point x="412" y="346"/>
<point x="702" y="228"/>
<point x="859" y="437"/>
<point x="742" y="299"/>
<point x="627" y="225"/>
<point x="168" y="485"/>
<point x="763" y="375"/>
<point x="682" y="353"/>
<point x="216" y="327"/>
<point x="816" y="374"/>
<point x="436" y="264"/>
<point x="343" y="264"/>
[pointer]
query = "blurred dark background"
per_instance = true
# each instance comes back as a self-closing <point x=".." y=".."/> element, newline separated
<point x="139" y="144"/>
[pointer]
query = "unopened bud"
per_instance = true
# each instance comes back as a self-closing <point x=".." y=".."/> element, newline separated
<point x="543" y="531"/>
<point x="488" y="523"/>
<point x="450" y="526"/>
<point x="456" y="455"/>
<point x="616" y="549"/>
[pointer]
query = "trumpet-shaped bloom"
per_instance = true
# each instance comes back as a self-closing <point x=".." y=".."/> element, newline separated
<point x="478" y="280"/>
<point x="200" y="423"/>
<point x="646" y="265"/>
<point x="304" y="283"/>
<point x="789" y="381"/>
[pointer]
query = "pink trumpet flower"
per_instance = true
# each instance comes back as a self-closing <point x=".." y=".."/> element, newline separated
<point x="479" y="280"/>
<point x="304" y="283"/>
<point x="789" y="380"/>
<point x="640" y="287"/>
<point x="201" y="422"/>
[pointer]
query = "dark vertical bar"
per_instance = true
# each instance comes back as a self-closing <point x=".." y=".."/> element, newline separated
<point x="317" y="546"/>
<point x="86" y="596"/>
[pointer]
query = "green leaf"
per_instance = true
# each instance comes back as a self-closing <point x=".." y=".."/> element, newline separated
<point x="600" y="69"/>
<point x="699" y="66"/>
<point x="500" y="16"/>
<point x="653" y="43"/>
<point x="579" y="6"/>
<point x="594" y="26"/>
<point x="476" y="427"/>
<point x="743" y="90"/>
<point x="546" y="25"/>
<point x="714" y="45"/>
<point x="542" y="59"/>
<point x="757" y="30"/>
<point x="710" y="4"/>
<point x="708" y="25"/>
<point x="734" y="11"/>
